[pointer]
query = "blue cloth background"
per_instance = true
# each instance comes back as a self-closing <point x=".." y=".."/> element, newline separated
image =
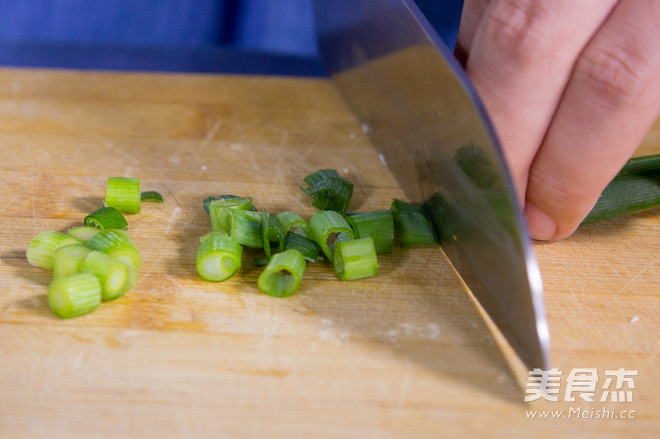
<point x="276" y="26"/>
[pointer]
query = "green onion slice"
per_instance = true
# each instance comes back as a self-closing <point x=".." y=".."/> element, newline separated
<point x="283" y="274"/>
<point x="218" y="257"/>
<point x="475" y="164"/>
<point x="220" y="209"/>
<point x="271" y="233"/>
<point x="83" y="233"/>
<point x="245" y="227"/>
<point x="41" y="250"/>
<point x="209" y="200"/>
<point x="118" y="244"/>
<point x="67" y="260"/>
<point x="412" y="227"/>
<point x="106" y="218"/>
<point x="294" y="223"/>
<point x="634" y="189"/>
<point x="74" y="295"/>
<point x="329" y="227"/>
<point x="309" y="248"/>
<point x="151" y="196"/>
<point x="329" y="191"/>
<point x="377" y="224"/>
<point x="123" y="193"/>
<point x="356" y="259"/>
<point x="114" y="276"/>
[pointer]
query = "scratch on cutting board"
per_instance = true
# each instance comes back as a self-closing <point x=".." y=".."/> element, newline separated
<point x="209" y="135"/>
<point x="643" y="270"/>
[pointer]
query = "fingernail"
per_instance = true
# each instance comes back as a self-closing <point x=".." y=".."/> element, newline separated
<point x="540" y="225"/>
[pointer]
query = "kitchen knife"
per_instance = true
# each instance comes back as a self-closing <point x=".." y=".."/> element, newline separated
<point x="417" y="105"/>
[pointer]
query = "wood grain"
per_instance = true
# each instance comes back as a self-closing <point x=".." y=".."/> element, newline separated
<point x="405" y="354"/>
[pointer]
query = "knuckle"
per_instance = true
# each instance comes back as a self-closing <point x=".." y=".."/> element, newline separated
<point x="520" y="31"/>
<point x="614" y="75"/>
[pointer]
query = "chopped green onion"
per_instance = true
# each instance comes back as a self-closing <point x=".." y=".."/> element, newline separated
<point x="412" y="227"/>
<point x="634" y="189"/>
<point x="116" y="243"/>
<point x="151" y="196"/>
<point x="208" y="200"/>
<point x="113" y="275"/>
<point x="329" y="191"/>
<point x="220" y="209"/>
<point x="67" y="260"/>
<point x="309" y="248"/>
<point x="74" y="295"/>
<point x="283" y="274"/>
<point x="435" y="210"/>
<point x="123" y="193"/>
<point x="106" y="218"/>
<point x="41" y="250"/>
<point x="378" y="224"/>
<point x="83" y="233"/>
<point x="356" y="259"/>
<point x="476" y="165"/>
<point x="294" y="223"/>
<point x="261" y="262"/>
<point x="329" y="227"/>
<point x="218" y="257"/>
<point x="271" y="232"/>
<point x="245" y="227"/>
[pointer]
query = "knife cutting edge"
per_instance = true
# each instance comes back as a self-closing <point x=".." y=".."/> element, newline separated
<point x="427" y="122"/>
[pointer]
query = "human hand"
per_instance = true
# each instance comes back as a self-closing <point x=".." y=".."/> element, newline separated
<point x="572" y="87"/>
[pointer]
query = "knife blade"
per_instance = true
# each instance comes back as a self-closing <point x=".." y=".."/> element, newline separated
<point x="426" y="120"/>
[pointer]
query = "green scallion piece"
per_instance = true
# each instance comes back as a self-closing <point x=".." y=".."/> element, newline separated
<point x="151" y="196"/>
<point x="377" y="224"/>
<point x="356" y="259"/>
<point x="83" y="233"/>
<point x="261" y="262"/>
<point x="123" y="193"/>
<point x="271" y="233"/>
<point x="41" y="250"/>
<point x="106" y="218"/>
<point x="634" y="189"/>
<point x="114" y="276"/>
<point x="208" y="200"/>
<point x="245" y="227"/>
<point x="329" y="191"/>
<point x="74" y="295"/>
<point x="218" y="257"/>
<point x="118" y="244"/>
<point x="329" y="227"/>
<point x="282" y="274"/>
<point x="308" y="247"/>
<point x="67" y="260"/>
<point x="477" y="166"/>
<point x="219" y="211"/>
<point x="294" y="223"/>
<point x="412" y="227"/>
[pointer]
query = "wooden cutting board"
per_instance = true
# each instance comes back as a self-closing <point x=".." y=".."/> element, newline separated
<point x="405" y="354"/>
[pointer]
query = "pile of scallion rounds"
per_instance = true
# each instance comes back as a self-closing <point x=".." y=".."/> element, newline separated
<point x="350" y="241"/>
<point x="96" y="262"/>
